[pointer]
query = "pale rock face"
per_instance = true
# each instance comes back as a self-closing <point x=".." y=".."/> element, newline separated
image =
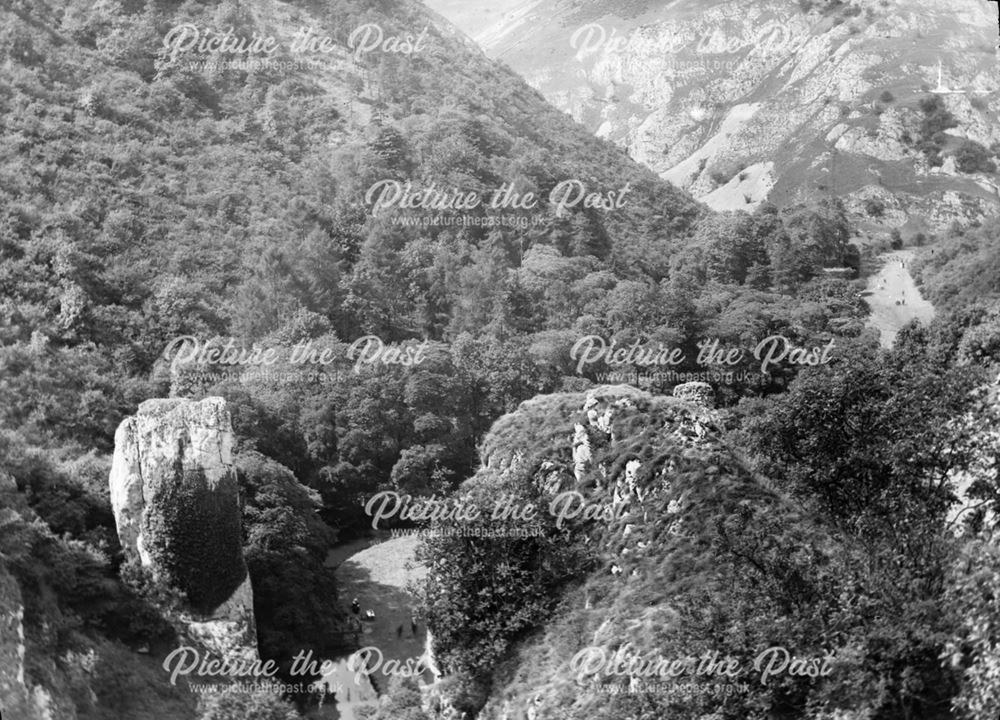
<point x="41" y="703"/>
<point x="175" y="498"/>
<point x="19" y="699"/>
<point x="699" y="393"/>
<point x="231" y="630"/>
<point x="13" y="692"/>
<point x="673" y="84"/>
<point x="892" y="210"/>
<point x="581" y="452"/>
<point x="886" y="144"/>
<point x="146" y="448"/>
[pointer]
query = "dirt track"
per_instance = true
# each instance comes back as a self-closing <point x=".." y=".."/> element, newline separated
<point x="894" y="298"/>
<point x="378" y="575"/>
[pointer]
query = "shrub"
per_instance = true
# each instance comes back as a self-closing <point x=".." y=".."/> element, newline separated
<point x="937" y="117"/>
<point x="886" y="97"/>
<point x="719" y="177"/>
<point x="972" y="157"/>
<point x="259" y="705"/>
<point x="874" y="207"/>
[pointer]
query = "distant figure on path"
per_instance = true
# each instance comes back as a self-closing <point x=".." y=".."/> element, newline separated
<point x="413" y="626"/>
<point x="355" y="606"/>
<point x="399" y="632"/>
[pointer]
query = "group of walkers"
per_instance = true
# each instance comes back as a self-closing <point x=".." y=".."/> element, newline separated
<point x="370" y="615"/>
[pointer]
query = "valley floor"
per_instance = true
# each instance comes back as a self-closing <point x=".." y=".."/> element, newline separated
<point x="894" y="297"/>
<point x="378" y="575"/>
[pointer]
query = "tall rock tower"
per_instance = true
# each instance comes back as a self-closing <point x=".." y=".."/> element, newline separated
<point x="175" y="496"/>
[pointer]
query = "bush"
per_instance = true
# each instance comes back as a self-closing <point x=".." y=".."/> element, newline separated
<point x="886" y="97"/>
<point x="972" y="157"/>
<point x="259" y="705"/>
<point x="874" y="207"/>
<point x="937" y="119"/>
<point x="719" y="177"/>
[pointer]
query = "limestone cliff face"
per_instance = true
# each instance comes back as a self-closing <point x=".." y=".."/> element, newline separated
<point x="774" y="99"/>
<point x="13" y="692"/>
<point x="19" y="698"/>
<point x="691" y="414"/>
<point x="175" y="497"/>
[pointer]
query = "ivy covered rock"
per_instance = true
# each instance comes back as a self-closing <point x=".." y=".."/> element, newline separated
<point x="175" y="496"/>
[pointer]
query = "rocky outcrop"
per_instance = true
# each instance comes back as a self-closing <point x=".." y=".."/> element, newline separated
<point x="13" y="692"/>
<point x="659" y="489"/>
<point x="19" y="698"/>
<point x="698" y="393"/>
<point x="175" y="497"/>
